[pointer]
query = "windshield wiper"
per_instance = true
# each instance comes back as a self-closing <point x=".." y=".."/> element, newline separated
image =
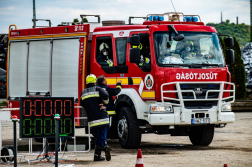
<point x="176" y="65"/>
<point x="203" y="65"/>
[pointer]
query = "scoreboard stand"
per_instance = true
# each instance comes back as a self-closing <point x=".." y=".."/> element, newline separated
<point x="46" y="151"/>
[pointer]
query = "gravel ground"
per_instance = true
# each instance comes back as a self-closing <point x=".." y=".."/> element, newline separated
<point x="231" y="145"/>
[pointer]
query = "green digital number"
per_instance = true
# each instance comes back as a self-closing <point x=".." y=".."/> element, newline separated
<point x="36" y="126"/>
<point x="68" y="123"/>
<point x="25" y="125"/>
<point x="60" y="125"/>
<point x="46" y="126"/>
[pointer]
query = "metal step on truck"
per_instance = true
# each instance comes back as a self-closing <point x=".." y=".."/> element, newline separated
<point x="175" y="79"/>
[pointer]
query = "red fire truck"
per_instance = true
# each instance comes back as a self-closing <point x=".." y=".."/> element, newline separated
<point x="182" y="87"/>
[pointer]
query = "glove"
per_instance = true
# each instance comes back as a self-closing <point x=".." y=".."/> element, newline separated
<point x="110" y="62"/>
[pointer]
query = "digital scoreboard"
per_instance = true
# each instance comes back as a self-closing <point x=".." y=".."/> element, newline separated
<point x="37" y="116"/>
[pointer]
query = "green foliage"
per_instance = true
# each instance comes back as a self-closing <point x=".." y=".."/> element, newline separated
<point x="237" y="70"/>
<point x="75" y="20"/>
<point x="3" y="103"/>
<point x="85" y="20"/>
<point x="240" y="31"/>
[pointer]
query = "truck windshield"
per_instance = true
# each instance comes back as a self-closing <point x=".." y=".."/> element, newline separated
<point x="197" y="48"/>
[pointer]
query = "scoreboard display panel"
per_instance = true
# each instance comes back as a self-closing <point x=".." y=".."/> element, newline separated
<point x="37" y="116"/>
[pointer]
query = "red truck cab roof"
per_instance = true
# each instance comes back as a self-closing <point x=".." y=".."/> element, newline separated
<point x="159" y="27"/>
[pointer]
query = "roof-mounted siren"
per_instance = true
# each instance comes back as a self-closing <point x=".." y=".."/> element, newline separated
<point x="191" y="18"/>
<point x="174" y="16"/>
<point x="155" y="17"/>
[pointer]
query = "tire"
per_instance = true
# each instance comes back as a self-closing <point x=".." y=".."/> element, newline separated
<point x="128" y="129"/>
<point x="201" y="135"/>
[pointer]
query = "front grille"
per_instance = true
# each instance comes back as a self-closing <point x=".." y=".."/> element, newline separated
<point x="199" y="104"/>
<point x="204" y="87"/>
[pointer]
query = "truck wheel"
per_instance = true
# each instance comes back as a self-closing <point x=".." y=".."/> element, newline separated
<point x="128" y="129"/>
<point x="201" y="135"/>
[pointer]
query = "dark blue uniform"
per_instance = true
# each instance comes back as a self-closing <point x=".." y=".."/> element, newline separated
<point x="112" y="92"/>
<point x="104" y="60"/>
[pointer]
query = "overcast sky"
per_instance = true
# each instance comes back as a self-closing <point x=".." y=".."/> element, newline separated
<point x="20" y="12"/>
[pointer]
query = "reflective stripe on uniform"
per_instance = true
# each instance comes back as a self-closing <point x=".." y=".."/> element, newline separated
<point x="118" y="86"/>
<point x="111" y="112"/>
<point x="105" y="101"/>
<point x="88" y="96"/>
<point x="99" y="122"/>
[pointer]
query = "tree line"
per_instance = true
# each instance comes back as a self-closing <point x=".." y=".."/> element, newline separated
<point x="237" y="70"/>
<point x="240" y="31"/>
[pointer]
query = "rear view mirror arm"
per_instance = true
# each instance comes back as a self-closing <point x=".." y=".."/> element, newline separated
<point x="177" y="37"/>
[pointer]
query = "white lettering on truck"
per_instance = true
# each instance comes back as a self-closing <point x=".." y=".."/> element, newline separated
<point x="78" y="28"/>
<point x="191" y="76"/>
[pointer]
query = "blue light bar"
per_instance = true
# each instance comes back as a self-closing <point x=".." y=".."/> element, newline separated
<point x="185" y="86"/>
<point x="156" y="18"/>
<point x="195" y="19"/>
<point x="190" y="19"/>
<point x="160" y="18"/>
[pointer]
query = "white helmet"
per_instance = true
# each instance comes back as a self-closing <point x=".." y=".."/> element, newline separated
<point x="104" y="47"/>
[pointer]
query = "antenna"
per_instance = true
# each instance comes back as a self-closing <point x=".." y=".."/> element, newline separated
<point x="175" y="10"/>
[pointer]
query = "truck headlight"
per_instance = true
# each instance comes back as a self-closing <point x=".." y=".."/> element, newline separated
<point x="226" y="107"/>
<point x="160" y="109"/>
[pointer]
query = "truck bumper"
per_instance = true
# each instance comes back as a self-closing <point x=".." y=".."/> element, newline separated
<point x="175" y="118"/>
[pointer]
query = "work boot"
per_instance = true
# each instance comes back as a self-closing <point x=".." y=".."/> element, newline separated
<point x="107" y="150"/>
<point x="97" y="154"/>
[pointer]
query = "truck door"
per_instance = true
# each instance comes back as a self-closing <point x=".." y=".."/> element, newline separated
<point x="142" y="74"/>
<point x="122" y="67"/>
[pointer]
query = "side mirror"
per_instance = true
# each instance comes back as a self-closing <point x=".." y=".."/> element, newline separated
<point x="135" y="55"/>
<point x="134" y="40"/>
<point x="179" y="37"/>
<point x="230" y="56"/>
<point x="229" y="41"/>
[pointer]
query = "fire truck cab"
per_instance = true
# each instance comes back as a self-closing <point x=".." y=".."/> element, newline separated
<point x="174" y="76"/>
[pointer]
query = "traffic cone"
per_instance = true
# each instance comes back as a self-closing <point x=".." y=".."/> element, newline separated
<point x="225" y="165"/>
<point x="139" y="161"/>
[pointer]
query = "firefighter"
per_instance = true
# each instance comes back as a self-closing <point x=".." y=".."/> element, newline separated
<point x="103" y="58"/>
<point x="93" y="100"/>
<point x="102" y="82"/>
<point x="144" y="54"/>
<point x="188" y="51"/>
